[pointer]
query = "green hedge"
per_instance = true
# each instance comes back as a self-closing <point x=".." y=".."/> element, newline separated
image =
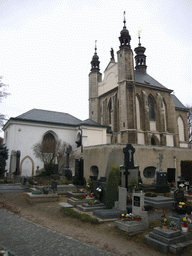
<point x="81" y="216"/>
<point x="111" y="190"/>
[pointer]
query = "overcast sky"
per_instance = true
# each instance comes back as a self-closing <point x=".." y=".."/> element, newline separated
<point x="46" y="47"/>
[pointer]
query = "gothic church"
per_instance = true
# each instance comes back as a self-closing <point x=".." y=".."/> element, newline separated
<point x="138" y="109"/>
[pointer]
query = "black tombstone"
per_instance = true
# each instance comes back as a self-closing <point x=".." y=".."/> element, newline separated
<point x="79" y="172"/>
<point x="161" y="182"/>
<point x="128" y="151"/>
<point x="18" y="154"/>
<point x="171" y="175"/>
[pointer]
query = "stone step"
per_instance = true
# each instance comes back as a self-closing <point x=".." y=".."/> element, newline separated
<point x="167" y="233"/>
<point x="163" y="247"/>
<point x="166" y="240"/>
<point x="178" y="248"/>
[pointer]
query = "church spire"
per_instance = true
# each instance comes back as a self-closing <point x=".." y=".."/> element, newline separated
<point x="140" y="58"/>
<point x="124" y="38"/>
<point x="95" y="60"/>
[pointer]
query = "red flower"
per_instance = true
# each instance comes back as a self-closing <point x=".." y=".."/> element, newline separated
<point x="184" y="224"/>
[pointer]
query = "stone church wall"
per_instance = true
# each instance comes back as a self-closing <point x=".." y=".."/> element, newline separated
<point x="106" y="155"/>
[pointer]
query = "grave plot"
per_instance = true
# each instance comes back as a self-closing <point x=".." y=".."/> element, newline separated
<point x="137" y="221"/>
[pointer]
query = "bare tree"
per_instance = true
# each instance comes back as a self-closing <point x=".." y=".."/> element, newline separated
<point x="3" y="94"/>
<point x="51" y="151"/>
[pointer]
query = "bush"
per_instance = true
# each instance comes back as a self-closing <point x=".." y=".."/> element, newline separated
<point x="117" y="170"/>
<point x="111" y="190"/>
<point x="82" y="216"/>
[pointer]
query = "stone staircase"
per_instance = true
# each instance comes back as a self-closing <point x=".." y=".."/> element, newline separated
<point x="169" y="240"/>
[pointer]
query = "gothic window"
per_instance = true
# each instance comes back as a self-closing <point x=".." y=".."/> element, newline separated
<point x="164" y="115"/>
<point x="151" y="109"/>
<point x="49" y="143"/>
<point x="181" y="129"/>
<point x="109" y="111"/>
<point x="138" y="113"/>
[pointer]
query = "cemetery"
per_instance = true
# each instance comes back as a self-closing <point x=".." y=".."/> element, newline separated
<point x="123" y="199"/>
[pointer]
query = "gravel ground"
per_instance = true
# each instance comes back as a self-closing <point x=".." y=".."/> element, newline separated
<point x="28" y="239"/>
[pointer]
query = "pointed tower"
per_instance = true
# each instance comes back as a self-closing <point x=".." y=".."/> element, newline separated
<point x="126" y="87"/>
<point x="94" y="77"/>
<point x="140" y="58"/>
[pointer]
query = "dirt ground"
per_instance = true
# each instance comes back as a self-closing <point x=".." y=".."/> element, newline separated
<point x="104" y="235"/>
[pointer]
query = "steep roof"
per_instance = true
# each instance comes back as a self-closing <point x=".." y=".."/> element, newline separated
<point x="146" y="79"/>
<point x="178" y="104"/>
<point x="39" y="115"/>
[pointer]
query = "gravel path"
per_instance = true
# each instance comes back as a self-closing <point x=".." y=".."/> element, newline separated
<point x="25" y="238"/>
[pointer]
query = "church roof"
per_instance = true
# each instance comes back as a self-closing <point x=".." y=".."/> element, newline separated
<point x="90" y="122"/>
<point x="45" y="116"/>
<point x="146" y="79"/>
<point x="178" y="103"/>
<point x="53" y="117"/>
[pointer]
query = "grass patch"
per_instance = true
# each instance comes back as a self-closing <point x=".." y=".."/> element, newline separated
<point x="81" y="216"/>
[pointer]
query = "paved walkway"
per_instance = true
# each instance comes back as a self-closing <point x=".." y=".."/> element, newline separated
<point x="24" y="238"/>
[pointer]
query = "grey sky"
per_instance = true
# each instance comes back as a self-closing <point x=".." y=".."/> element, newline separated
<point x="46" y="47"/>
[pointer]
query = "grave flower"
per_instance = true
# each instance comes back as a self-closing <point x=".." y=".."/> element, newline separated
<point x="173" y="225"/>
<point x="164" y="221"/>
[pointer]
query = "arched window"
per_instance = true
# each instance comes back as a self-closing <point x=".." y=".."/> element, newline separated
<point x="151" y="109"/>
<point x="181" y="129"/>
<point x="94" y="171"/>
<point x="149" y="172"/>
<point x="164" y="116"/>
<point x="138" y="113"/>
<point x="49" y="143"/>
<point x="109" y="110"/>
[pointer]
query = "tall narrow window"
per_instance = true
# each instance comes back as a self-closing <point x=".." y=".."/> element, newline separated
<point x="151" y="109"/>
<point x="181" y="129"/>
<point x="109" y="111"/>
<point x="138" y="113"/>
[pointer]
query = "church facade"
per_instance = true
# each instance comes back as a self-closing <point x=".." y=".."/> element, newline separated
<point x="139" y="110"/>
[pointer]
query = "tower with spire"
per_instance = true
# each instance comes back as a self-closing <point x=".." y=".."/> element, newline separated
<point x="140" y="58"/>
<point x="126" y="87"/>
<point x="138" y="108"/>
<point x="94" y="78"/>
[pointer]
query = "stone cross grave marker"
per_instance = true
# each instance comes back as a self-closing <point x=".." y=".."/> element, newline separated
<point x="128" y="151"/>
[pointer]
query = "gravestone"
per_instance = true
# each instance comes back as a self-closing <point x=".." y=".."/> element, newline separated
<point x="179" y="196"/>
<point x="67" y="171"/>
<point x="79" y="172"/>
<point x="128" y="151"/>
<point x="161" y="178"/>
<point x="15" y="162"/>
<point x="137" y="203"/>
<point x="122" y="202"/>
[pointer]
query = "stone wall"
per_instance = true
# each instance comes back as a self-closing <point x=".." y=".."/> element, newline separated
<point x="106" y="155"/>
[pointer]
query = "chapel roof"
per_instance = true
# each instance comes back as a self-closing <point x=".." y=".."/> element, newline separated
<point x="49" y="116"/>
<point x="53" y="117"/>
<point x="178" y="104"/>
<point x="144" y="78"/>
